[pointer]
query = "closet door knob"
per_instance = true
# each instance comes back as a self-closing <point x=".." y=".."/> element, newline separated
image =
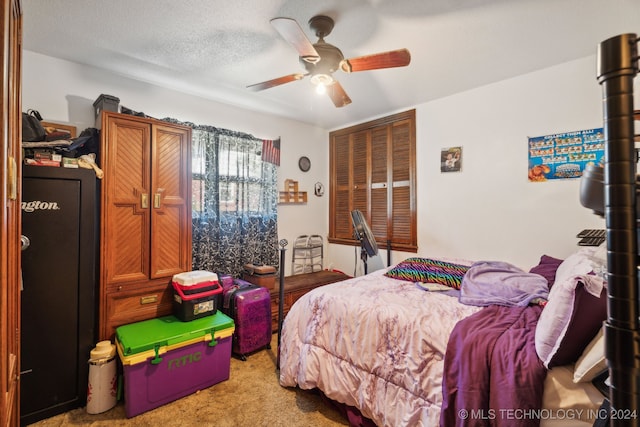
<point x="144" y="200"/>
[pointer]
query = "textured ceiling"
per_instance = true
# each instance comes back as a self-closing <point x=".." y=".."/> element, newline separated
<point x="215" y="48"/>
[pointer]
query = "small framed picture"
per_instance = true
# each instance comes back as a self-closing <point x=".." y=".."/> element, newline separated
<point x="451" y="159"/>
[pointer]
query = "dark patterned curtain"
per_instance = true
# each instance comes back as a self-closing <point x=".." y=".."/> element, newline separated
<point x="235" y="201"/>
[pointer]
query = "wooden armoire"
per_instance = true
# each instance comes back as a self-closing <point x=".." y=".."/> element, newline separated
<point x="146" y="217"/>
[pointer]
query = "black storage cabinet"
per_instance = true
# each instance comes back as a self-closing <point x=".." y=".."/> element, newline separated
<point x="59" y="270"/>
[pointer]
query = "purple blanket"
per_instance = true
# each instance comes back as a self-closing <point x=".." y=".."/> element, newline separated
<point x="496" y="282"/>
<point x="492" y="373"/>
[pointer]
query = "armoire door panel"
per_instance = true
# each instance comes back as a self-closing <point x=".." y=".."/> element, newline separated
<point x="169" y="161"/>
<point x="128" y="252"/>
<point x="126" y="218"/>
<point x="129" y="150"/>
<point x="167" y="255"/>
<point x="171" y="200"/>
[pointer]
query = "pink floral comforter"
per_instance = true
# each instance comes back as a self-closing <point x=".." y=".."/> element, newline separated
<point x="375" y="343"/>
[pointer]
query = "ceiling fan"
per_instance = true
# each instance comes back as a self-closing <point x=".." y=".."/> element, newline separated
<point x="321" y="59"/>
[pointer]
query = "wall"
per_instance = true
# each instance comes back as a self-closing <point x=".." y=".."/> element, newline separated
<point x="65" y="93"/>
<point x="489" y="210"/>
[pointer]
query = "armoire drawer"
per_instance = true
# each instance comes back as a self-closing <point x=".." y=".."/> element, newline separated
<point x="129" y="306"/>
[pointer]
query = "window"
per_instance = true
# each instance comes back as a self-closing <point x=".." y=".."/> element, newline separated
<point x="234" y="199"/>
<point x="373" y="169"/>
<point x="242" y="178"/>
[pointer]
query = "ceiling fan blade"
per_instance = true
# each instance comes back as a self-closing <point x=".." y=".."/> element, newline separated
<point x="290" y="30"/>
<point x="391" y="59"/>
<point x="275" y="82"/>
<point x="338" y="95"/>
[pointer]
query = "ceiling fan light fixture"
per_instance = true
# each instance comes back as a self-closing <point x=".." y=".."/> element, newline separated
<point x="321" y="81"/>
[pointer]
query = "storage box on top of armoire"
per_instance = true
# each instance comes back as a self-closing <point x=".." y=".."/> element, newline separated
<point x="105" y="103"/>
<point x="261" y="275"/>
<point x="195" y="294"/>
<point x="165" y="359"/>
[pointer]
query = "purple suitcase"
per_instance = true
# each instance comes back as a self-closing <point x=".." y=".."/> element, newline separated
<point x="249" y="306"/>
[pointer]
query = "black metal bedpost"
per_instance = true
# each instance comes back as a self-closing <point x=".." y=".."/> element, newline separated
<point x="617" y="66"/>
<point x="282" y="243"/>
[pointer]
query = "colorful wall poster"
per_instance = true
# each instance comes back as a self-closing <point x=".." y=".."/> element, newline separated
<point x="451" y="159"/>
<point x="564" y="155"/>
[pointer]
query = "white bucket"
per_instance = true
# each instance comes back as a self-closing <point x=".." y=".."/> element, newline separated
<point x="103" y="378"/>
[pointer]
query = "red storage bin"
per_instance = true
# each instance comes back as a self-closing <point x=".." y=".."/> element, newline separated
<point x="195" y="294"/>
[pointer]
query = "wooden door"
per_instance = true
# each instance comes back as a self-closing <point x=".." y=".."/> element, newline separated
<point x="126" y="187"/>
<point x="340" y="189"/>
<point x="10" y="137"/>
<point x="170" y="244"/>
<point x="360" y="171"/>
<point x="402" y="214"/>
<point x="379" y="216"/>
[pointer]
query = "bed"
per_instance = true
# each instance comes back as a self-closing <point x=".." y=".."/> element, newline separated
<point x="378" y="342"/>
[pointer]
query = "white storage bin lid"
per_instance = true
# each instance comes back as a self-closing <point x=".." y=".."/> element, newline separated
<point x="190" y="278"/>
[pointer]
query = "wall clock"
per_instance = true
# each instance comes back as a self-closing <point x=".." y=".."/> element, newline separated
<point x="304" y="164"/>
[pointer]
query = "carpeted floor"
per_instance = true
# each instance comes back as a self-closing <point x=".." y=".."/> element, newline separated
<point x="251" y="397"/>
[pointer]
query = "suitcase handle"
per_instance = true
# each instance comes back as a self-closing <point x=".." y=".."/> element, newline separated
<point x="194" y="296"/>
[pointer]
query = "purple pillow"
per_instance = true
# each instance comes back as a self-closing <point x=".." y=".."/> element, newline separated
<point x="547" y="268"/>
<point x="587" y="317"/>
<point x="573" y="316"/>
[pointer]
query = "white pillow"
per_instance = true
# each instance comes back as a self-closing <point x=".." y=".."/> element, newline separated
<point x="577" y="264"/>
<point x="592" y="362"/>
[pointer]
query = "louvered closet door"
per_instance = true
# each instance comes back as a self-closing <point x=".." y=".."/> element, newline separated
<point x="360" y="167"/>
<point x="403" y="217"/>
<point x="171" y="201"/>
<point x="373" y="169"/>
<point x="341" y="187"/>
<point x="379" y="216"/>
<point x="126" y="222"/>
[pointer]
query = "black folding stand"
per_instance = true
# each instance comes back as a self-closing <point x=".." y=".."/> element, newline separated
<point x="282" y="243"/>
<point x="363" y="254"/>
